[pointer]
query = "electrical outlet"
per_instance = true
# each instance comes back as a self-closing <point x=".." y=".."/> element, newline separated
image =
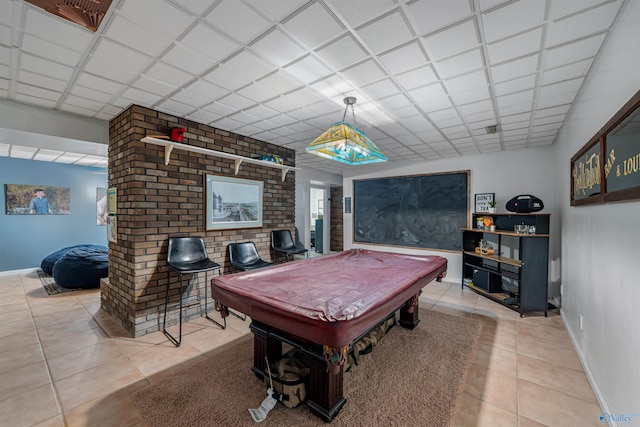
<point x="580" y="318"/>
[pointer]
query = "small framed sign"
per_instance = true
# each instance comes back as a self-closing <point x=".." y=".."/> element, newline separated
<point x="482" y="201"/>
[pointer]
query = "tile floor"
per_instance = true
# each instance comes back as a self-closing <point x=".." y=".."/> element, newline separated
<point x="64" y="362"/>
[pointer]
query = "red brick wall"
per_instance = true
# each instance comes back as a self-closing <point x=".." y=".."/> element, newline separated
<point x="156" y="201"/>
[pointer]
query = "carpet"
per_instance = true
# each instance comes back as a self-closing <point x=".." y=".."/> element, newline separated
<point x="410" y="378"/>
<point x="50" y="285"/>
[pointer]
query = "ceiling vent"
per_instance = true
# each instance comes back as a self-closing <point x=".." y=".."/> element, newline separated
<point x="86" y="13"/>
<point x="493" y="129"/>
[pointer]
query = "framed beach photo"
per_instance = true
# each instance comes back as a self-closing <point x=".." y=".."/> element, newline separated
<point x="232" y="203"/>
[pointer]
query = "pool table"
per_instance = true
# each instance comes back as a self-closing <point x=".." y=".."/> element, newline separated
<point x="323" y="306"/>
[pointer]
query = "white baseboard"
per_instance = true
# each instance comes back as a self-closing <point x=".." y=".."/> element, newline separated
<point x="585" y="367"/>
<point x="23" y="271"/>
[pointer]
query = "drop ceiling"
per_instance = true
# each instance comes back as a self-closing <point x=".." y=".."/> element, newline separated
<point x="429" y="75"/>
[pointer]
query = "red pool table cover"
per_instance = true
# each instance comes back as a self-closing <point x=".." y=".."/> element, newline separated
<point x="329" y="300"/>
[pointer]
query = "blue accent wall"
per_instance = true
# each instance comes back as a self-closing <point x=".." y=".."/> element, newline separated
<point x="26" y="239"/>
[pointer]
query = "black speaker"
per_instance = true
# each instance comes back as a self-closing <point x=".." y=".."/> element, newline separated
<point x="525" y="203"/>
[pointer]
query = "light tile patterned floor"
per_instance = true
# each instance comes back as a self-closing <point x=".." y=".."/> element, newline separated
<point x="64" y="362"/>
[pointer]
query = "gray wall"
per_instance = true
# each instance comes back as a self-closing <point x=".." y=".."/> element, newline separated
<point x="600" y="243"/>
<point x="26" y="239"/>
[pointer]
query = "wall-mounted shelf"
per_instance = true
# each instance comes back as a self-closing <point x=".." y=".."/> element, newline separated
<point x="170" y="145"/>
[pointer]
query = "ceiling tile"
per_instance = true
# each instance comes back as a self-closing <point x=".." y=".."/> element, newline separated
<point x="512" y="19"/>
<point x="236" y="102"/>
<point x="187" y="60"/>
<point x="42" y="66"/>
<point x="460" y="64"/>
<point x="57" y="31"/>
<point x="206" y="89"/>
<point x="313" y="26"/>
<point x="557" y="100"/>
<point x="195" y="100"/>
<point x="98" y="83"/>
<point x="154" y="86"/>
<point x="404" y="59"/>
<point x="218" y="108"/>
<point x="162" y="18"/>
<point x="568" y="86"/>
<point x="89" y="93"/>
<point x="121" y="56"/>
<point x="467" y="82"/>
<point x="6" y="12"/>
<point x="110" y="71"/>
<point x="50" y="51"/>
<point x="364" y="73"/>
<point x="525" y="97"/>
<point x="558" y="9"/>
<point x="249" y="65"/>
<point x="41" y="81"/>
<point x="5" y="55"/>
<point x="131" y="35"/>
<point x="226" y="79"/>
<point x="262" y="112"/>
<point x="380" y="89"/>
<point x="566" y="72"/>
<point x="238" y="20"/>
<point x="168" y="74"/>
<point x="573" y="52"/>
<point x="471" y="95"/>
<point x="277" y="47"/>
<point x="307" y="69"/>
<point x="546" y="112"/>
<point x="83" y="102"/>
<point x="452" y="41"/>
<point x="174" y="107"/>
<point x="378" y="38"/>
<point x="342" y="52"/>
<point x="355" y="14"/>
<point x="448" y="12"/>
<point x="47" y="155"/>
<point x="38" y="92"/>
<point x="515" y="118"/>
<point x="476" y="107"/>
<point x="332" y="86"/>
<point x="516" y="46"/>
<point x="258" y="92"/>
<point x="418" y="77"/>
<point x="514" y="69"/>
<point x="203" y="116"/>
<point x="515" y="85"/>
<point x="583" y="24"/>
<point x="209" y="43"/>
<point x="280" y="82"/>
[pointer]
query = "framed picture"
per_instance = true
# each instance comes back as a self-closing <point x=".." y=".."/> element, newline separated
<point x="101" y="206"/>
<point x="232" y="203"/>
<point x="482" y="201"/>
<point x="24" y="199"/>
<point x="112" y="200"/>
<point x="112" y="229"/>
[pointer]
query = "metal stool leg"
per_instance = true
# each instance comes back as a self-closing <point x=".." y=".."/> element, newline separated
<point x="206" y="310"/>
<point x="164" y="322"/>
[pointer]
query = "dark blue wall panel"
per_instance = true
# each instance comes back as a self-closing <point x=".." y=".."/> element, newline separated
<point x="26" y="239"/>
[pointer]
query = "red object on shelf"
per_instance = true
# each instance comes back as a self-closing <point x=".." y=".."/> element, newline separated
<point x="177" y="134"/>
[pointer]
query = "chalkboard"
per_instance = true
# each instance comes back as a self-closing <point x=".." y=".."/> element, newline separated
<point x="422" y="211"/>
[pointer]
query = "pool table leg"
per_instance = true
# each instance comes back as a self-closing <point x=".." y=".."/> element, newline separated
<point x="264" y="345"/>
<point x="409" y="313"/>
<point x="325" y="395"/>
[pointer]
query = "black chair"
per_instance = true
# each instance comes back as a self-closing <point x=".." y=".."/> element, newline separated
<point x="188" y="255"/>
<point x="281" y="241"/>
<point x="244" y="256"/>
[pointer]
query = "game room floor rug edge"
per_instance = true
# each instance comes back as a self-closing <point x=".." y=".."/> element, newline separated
<point x="410" y="378"/>
<point x="50" y="285"/>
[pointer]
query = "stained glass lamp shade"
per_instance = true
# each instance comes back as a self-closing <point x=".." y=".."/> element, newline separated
<point x="346" y="143"/>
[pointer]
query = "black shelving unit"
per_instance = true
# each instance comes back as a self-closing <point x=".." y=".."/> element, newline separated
<point x="520" y="261"/>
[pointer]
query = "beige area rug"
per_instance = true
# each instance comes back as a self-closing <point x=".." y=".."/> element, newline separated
<point x="410" y="378"/>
